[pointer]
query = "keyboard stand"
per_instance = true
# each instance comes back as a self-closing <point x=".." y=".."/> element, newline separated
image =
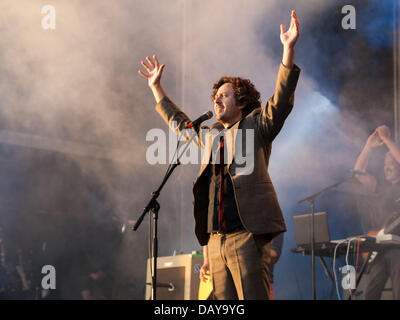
<point x="360" y="275"/>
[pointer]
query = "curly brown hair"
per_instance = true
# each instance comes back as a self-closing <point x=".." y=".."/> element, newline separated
<point x="245" y="93"/>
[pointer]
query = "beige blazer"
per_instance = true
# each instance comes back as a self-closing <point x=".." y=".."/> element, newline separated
<point x="255" y="195"/>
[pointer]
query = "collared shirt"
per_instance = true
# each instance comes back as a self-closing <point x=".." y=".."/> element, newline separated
<point x="230" y="209"/>
<point x="231" y="212"/>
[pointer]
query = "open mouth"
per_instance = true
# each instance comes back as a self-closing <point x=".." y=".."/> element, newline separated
<point x="219" y="109"/>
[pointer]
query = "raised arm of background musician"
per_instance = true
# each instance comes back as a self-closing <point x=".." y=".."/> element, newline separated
<point x="384" y="135"/>
<point x="361" y="164"/>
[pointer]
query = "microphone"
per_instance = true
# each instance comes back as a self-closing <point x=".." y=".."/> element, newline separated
<point x="196" y="123"/>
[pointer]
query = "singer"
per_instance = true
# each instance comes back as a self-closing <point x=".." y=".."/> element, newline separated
<point x="237" y="215"/>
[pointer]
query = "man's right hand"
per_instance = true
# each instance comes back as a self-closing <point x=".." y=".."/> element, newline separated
<point x="154" y="71"/>
<point x="153" y="76"/>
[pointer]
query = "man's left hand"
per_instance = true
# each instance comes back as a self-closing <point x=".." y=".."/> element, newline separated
<point x="290" y="37"/>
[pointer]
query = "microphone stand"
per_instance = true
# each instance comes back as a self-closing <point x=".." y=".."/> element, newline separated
<point x="311" y="200"/>
<point x="154" y="207"/>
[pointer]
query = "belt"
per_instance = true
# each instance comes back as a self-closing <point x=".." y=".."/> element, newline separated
<point x="219" y="233"/>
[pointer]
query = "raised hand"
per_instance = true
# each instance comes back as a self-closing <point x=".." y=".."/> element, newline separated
<point x="383" y="132"/>
<point x="154" y="71"/>
<point x="290" y="37"/>
<point x="374" y="140"/>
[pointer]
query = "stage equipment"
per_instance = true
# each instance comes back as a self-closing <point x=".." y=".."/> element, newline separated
<point x="177" y="277"/>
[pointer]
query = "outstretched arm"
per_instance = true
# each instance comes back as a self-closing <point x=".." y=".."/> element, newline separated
<point x="289" y="39"/>
<point x="361" y="164"/>
<point x="153" y="76"/>
<point x="281" y="103"/>
<point x="174" y="117"/>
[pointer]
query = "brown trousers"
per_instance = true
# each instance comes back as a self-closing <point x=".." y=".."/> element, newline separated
<point x="239" y="266"/>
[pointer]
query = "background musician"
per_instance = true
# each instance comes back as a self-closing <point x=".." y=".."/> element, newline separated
<point x="387" y="262"/>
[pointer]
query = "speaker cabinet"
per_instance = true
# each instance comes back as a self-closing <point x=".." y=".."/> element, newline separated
<point x="177" y="277"/>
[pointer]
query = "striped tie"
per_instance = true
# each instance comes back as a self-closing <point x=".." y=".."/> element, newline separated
<point x="219" y="169"/>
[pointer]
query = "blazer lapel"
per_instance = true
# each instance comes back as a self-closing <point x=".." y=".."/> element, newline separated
<point x="209" y="138"/>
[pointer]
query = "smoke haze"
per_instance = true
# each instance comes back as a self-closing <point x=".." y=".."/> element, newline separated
<point x="74" y="115"/>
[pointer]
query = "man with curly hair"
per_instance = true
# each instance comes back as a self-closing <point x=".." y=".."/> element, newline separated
<point x="244" y="93"/>
<point x="237" y="213"/>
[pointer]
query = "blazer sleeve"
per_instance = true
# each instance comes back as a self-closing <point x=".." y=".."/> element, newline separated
<point x="272" y="117"/>
<point x="177" y="120"/>
<point x="170" y="112"/>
